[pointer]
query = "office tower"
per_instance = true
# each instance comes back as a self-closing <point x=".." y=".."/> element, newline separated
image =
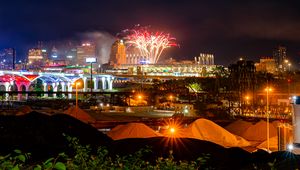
<point x="84" y="51"/>
<point x="118" y="53"/>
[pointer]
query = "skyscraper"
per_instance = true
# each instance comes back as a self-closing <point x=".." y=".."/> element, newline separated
<point x="118" y="53"/>
<point x="7" y="58"/>
<point x="279" y="54"/>
<point x="84" y="51"/>
<point x="35" y="58"/>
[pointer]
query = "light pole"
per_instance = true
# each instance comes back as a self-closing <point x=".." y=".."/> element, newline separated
<point x="76" y="90"/>
<point x="268" y="90"/>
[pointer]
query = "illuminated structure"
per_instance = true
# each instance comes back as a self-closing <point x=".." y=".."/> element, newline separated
<point x="118" y="53"/>
<point x="35" y="58"/>
<point x="151" y="45"/>
<point x="180" y="69"/>
<point x="266" y="65"/>
<point x="133" y="56"/>
<point x="55" y="82"/>
<point x="84" y="51"/>
<point x="279" y="54"/>
<point x="205" y="59"/>
<point x="7" y="58"/>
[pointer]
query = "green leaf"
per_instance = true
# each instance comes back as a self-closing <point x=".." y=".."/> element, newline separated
<point x="38" y="167"/>
<point x="16" y="167"/>
<point x="49" y="160"/>
<point x="17" y="151"/>
<point x="60" y="166"/>
<point x="48" y="165"/>
<point x="21" y="158"/>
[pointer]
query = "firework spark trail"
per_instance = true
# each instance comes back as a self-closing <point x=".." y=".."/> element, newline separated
<point x="149" y="44"/>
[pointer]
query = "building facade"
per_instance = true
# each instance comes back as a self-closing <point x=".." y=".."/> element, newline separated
<point x="84" y="51"/>
<point x="280" y="56"/>
<point x="35" y="58"/>
<point x="7" y="58"/>
<point x="267" y="65"/>
<point x="118" y="53"/>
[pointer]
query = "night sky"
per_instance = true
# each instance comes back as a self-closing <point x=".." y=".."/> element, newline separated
<point x="228" y="29"/>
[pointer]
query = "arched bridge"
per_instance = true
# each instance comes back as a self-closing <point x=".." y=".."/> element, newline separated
<point x="54" y="82"/>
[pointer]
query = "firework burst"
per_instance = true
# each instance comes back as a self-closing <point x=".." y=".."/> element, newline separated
<point x="151" y="45"/>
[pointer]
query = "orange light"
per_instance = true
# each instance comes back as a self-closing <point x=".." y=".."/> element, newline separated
<point x="140" y="96"/>
<point x="172" y="130"/>
<point x="268" y="89"/>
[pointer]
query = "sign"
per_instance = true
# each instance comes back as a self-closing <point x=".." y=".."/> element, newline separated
<point x="90" y="60"/>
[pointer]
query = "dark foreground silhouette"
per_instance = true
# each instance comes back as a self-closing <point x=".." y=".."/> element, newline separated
<point x="42" y="136"/>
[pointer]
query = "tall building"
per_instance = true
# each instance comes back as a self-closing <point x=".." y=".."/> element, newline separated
<point x="118" y="53"/>
<point x="242" y="78"/>
<point x="279" y="54"/>
<point x="71" y="56"/>
<point x="7" y="58"/>
<point x="35" y="58"/>
<point x="84" y="51"/>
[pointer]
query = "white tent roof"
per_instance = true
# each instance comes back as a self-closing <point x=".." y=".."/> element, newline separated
<point x="132" y="130"/>
<point x="258" y="131"/>
<point x="204" y="129"/>
<point x="238" y="127"/>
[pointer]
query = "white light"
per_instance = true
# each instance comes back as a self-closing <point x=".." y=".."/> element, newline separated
<point x="90" y="60"/>
<point x="294" y="97"/>
<point x="54" y="56"/>
<point x="69" y="56"/>
<point x="290" y="147"/>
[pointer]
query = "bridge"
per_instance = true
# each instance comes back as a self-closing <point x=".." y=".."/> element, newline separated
<point x="51" y="82"/>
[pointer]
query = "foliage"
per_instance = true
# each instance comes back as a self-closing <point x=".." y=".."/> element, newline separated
<point x="14" y="161"/>
<point x="85" y="159"/>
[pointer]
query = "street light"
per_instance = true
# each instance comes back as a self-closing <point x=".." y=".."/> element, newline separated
<point x="268" y="90"/>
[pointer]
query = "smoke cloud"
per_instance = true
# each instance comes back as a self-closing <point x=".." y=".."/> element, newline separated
<point x="103" y="41"/>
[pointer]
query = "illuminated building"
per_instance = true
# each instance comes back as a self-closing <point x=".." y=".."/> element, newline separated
<point x="84" y="51"/>
<point x="133" y="56"/>
<point x="71" y="56"/>
<point x="205" y="59"/>
<point x="180" y="69"/>
<point x="54" y="54"/>
<point x="203" y="66"/>
<point x="279" y="54"/>
<point x="118" y="53"/>
<point x="35" y="58"/>
<point x="267" y="65"/>
<point x="7" y="58"/>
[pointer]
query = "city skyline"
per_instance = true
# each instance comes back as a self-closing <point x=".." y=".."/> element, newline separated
<point x="227" y="30"/>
